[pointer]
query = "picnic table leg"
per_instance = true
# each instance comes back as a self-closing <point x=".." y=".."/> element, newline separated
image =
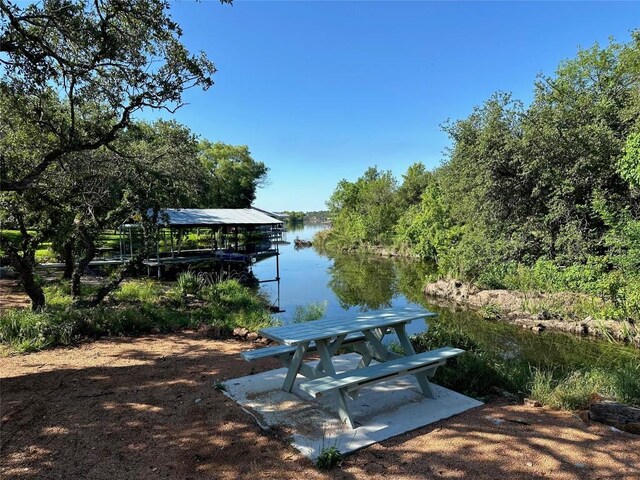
<point x="327" y="365"/>
<point x="294" y="366"/>
<point x="423" y="380"/>
<point x="332" y="348"/>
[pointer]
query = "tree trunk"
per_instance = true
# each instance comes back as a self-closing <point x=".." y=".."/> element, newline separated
<point x="35" y="292"/>
<point x="89" y="254"/>
<point x="25" y="264"/>
<point x="67" y="252"/>
<point x="105" y="289"/>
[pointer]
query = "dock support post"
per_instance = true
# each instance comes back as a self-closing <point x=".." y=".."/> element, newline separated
<point x="121" y="244"/>
<point x="158" y="253"/>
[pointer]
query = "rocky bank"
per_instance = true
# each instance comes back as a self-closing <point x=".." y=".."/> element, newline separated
<point x="535" y="311"/>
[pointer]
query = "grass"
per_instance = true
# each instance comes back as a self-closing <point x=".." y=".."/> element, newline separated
<point x="479" y="372"/>
<point x="144" y="290"/>
<point x="137" y="307"/>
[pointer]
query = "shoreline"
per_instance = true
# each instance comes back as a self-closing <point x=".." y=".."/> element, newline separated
<point x="530" y="310"/>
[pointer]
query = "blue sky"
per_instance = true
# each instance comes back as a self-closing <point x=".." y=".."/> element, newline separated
<point x="321" y="90"/>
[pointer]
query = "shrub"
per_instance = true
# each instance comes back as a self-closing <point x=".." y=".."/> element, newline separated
<point x="188" y="283"/>
<point x="329" y="457"/>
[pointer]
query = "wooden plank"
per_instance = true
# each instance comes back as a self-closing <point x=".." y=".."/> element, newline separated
<point x="329" y="328"/>
<point x="251" y="355"/>
<point x="378" y="372"/>
<point x="279" y="350"/>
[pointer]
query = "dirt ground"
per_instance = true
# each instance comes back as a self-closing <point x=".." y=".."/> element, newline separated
<point x="12" y="295"/>
<point x="148" y="407"/>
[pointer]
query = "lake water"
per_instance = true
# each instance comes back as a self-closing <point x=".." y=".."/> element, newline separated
<point x="356" y="283"/>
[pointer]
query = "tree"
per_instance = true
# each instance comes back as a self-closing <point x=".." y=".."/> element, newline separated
<point x="232" y="175"/>
<point x="414" y="183"/>
<point x="121" y="56"/>
<point x="148" y="167"/>
<point x="364" y="211"/>
<point x="73" y="75"/>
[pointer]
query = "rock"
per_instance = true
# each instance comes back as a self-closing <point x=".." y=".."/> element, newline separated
<point x="538" y="328"/>
<point x="530" y="402"/>
<point x="252" y="336"/>
<point x="240" y="332"/>
<point x="617" y="415"/>
<point x="584" y="415"/>
<point x="197" y="400"/>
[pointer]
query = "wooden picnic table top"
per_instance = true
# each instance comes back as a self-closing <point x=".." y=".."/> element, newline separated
<point x="333" y="327"/>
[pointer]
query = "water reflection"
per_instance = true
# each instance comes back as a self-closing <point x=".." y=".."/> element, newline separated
<point x="364" y="282"/>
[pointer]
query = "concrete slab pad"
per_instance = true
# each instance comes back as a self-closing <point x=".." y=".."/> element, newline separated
<point x="381" y="411"/>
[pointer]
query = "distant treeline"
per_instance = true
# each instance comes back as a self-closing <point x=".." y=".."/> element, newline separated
<point x="308" y="217"/>
<point x="540" y="197"/>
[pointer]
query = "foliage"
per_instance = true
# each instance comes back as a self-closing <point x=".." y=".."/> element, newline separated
<point x="328" y="458"/>
<point x="188" y="283"/>
<point x="538" y="198"/>
<point x="116" y="59"/>
<point x="365" y="210"/>
<point x="237" y="305"/>
<point x="136" y="308"/>
<point x="141" y="290"/>
<point x="232" y="175"/>
<point x="73" y="160"/>
<point x="568" y="386"/>
<point x="294" y="217"/>
<point x="25" y="330"/>
<point x="310" y="312"/>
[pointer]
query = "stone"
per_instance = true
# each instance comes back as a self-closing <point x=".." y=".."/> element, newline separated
<point x="583" y="415"/>
<point x="240" y="332"/>
<point x="617" y="415"/>
<point x="530" y="402"/>
<point x="252" y="336"/>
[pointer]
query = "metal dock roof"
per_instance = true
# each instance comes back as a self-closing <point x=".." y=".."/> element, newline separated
<point x="214" y="216"/>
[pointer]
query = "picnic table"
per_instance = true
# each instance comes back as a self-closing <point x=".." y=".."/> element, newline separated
<point x="364" y="333"/>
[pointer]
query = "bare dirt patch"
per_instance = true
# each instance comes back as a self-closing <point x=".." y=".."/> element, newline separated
<point x="149" y="408"/>
<point x="12" y="295"/>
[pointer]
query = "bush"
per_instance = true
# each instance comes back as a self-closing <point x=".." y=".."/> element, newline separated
<point x="136" y="312"/>
<point x="478" y="372"/>
<point x="329" y="457"/>
<point x="188" y="283"/>
<point x="576" y="389"/>
<point x="572" y="391"/>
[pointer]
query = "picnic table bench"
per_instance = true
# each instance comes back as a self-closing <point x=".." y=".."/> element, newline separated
<point x="364" y="333"/>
